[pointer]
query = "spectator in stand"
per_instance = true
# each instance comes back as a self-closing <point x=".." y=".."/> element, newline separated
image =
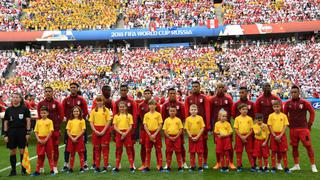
<point x="270" y="11"/>
<point x="166" y="13"/>
<point x="69" y="14"/>
<point x="10" y="13"/>
<point x="282" y="62"/>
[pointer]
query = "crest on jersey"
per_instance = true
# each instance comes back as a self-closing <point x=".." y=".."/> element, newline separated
<point x="78" y="102"/>
<point x="53" y="106"/>
<point x="226" y="101"/>
<point x="201" y="100"/>
<point x="178" y="107"/>
<point x="21" y="116"/>
<point x="128" y="104"/>
<point x="301" y="106"/>
<point x="261" y="102"/>
<point x="249" y="106"/>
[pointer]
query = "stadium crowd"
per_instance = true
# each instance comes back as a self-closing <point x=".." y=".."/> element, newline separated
<point x="69" y="14"/>
<point x="270" y="11"/>
<point x="170" y="13"/>
<point x="17" y="15"/>
<point x="10" y="12"/>
<point x="282" y="63"/>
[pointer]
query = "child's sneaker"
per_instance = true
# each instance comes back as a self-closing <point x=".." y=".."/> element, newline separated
<point x="82" y="170"/>
<point x="239" y="169"/>
<point x="35" y="174"/>
<point x="200" y="169"/>
<point x="85" y="168"/>
<point x="205" y="166"/>
<point x="97" y="170"/>
<point x="93" y="167"/>
<point x="296" y="167"/>
<point x="287" y="171"/>
<point x="224" y="170"/>
<point x="180" y="170"/>
<point x="279" y="167"/>
<point x="52" y="173"/>
<point x="55" y="170"/>
<point x="132" y="170"/>
<point x="192" y="169"/>
<point x="161" y="169"/>
<point x="65" y="169"/>
<point x="145" y="170"/>
<point x="185" y="166"/>
<point x="168" y="169"/>
<point x="104" y="170"/>
<point x="253" y="169"/>
<point x="70" y="171"/>
<point x="273" y="170"/>
<point x="266" y="169"/>
<point x="314" y="168"/>
<point x="115" y="170"/>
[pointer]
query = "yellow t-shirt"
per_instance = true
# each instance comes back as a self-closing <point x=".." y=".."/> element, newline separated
<point x="243" y="124"/>
<point x="76" y="126"/>
<point x="223" y="128"/>
<point x="152" y="120"/>
<point x="100" y="118"/>
<point x="261" y="132"/>
<point x="172" y="126"/>
<point x="277" y="121"/>
<point x="123" y="121"/>
<point x="194" y="124"/>
<point x="43" y="127"/>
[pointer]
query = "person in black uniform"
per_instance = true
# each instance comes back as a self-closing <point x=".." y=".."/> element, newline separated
<point x="17" y="129"/>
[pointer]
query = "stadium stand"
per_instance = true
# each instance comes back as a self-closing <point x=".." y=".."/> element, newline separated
<point x="270" y="11"/>
<point x="280" y="62"/>
<point x="70" y="14"/>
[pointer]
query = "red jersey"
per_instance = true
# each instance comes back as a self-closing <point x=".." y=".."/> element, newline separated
<point x="71" y="101"/>
<point x="132" y="109"/>
<point x="180" y="110"/>
<point x="296" y="110"/>
<point x="33" y="105"/>
<point x="138" y="101"/>
<point x="264" y="105"/>
<point x="217" y="103"/>
<point x="162" y="100"/>
<point x="251" y="108"/>
<point x="203" y="104"/>
<point x="143" y="108"/>
<point x="55" y="111"/>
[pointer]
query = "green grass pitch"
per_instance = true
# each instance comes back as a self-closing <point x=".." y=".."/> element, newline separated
<point x="305" y="173"/>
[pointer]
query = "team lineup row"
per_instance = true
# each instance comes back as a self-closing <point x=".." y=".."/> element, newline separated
<point x="200" y="114"/>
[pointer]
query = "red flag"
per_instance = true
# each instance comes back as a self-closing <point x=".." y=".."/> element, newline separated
<point x="212" y="23"/>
